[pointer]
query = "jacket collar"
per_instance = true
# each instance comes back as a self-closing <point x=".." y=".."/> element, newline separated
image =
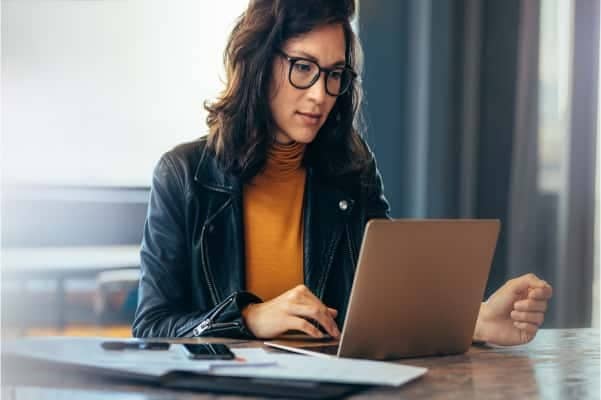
<point x="211" y="176"/>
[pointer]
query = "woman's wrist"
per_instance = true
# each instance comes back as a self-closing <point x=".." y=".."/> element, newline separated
<point x="479" y="335"/>
<point x="246" y="310"/>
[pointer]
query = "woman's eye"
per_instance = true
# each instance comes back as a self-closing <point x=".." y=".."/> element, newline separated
<point x="303" y="67"/>
<point x="337" y="75"/>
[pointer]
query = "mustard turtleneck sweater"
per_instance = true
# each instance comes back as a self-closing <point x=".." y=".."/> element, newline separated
<point x="273" y="223"/>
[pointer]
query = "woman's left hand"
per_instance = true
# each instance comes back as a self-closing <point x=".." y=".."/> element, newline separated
<point x="513" y="314"/>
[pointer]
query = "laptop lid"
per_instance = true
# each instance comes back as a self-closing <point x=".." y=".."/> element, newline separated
<point x="417" y="289"/>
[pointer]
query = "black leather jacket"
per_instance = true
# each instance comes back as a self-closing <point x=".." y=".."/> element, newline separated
<point x="192" y="255"/>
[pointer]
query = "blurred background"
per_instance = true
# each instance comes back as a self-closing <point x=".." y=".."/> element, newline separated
<point x="474" y="109"/>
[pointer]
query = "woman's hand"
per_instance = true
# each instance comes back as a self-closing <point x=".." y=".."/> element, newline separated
<point x="513" y="314"/>
<point x="291" y="310"/>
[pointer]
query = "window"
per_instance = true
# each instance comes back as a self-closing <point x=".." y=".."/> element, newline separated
<point x="96" y="91"/>
<point x="556" y="99"/>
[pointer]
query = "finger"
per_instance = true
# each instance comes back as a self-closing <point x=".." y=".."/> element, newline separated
<point x="330" y="324"/>
<point x="535" y="318"/>
<point x="530" y="305"/>
<point x="301" y="324"/>
<point x="319" y="314"/>
<point x="543" y="293"/>
<point x="530" y="329"/>
<point x="521" y="284"/>
<point x="333" y="312"/>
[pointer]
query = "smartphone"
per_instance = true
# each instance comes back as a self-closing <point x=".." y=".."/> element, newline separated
<point x="209" y="351"/>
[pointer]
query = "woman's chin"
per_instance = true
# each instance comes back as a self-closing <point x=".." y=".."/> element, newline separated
<point x="303" y="136"/>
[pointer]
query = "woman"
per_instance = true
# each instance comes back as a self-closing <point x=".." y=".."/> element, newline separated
<point x="255" y="230"/>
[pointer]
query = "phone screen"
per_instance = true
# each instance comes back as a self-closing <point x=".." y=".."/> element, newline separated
<point x="207" y="351"/>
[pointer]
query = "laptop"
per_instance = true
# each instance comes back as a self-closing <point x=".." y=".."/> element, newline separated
<point x="416" y="292"/>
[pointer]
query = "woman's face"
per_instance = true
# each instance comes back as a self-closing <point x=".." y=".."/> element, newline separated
<point x="299" y="113"/>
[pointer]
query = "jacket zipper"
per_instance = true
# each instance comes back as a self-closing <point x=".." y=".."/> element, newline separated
<point x="205" y="259"/>
<point x="204" y="326"/>
<point x="322" y="284"/>
<point x="207" y="323"/>
<point x="205" y="269"/>
<point x="350" y="246"/>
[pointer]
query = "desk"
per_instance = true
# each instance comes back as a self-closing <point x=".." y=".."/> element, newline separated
<point x="558" y="364"/>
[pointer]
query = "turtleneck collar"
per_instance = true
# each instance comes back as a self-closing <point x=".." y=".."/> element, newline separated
<point x="284" y="159"/>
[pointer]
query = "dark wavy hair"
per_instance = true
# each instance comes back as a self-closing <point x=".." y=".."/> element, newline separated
<point x="239" y="120"/>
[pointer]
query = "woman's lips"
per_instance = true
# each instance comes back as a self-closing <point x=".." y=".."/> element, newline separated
<point x="308" y="118"/>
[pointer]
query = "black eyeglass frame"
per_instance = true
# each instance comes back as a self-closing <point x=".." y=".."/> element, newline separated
<point x="293" y="60"/>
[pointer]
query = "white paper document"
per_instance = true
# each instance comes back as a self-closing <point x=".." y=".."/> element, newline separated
<point x="341" y="370"/>
<point x="88" y="352"/>
<point x="250" y="362"/>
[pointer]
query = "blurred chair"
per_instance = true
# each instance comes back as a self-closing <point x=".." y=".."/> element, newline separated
<point x="116" y="296"/>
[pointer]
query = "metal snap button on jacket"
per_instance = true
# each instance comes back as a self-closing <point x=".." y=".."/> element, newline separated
<point x="343" y="205"/>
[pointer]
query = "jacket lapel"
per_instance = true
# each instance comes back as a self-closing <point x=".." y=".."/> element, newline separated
<point x="326" y="211"/>
<point x="222" y="233"/>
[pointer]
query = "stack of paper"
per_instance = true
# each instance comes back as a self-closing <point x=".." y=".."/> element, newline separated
<point x="341" y="370"/>
<point x="256" y="362"/>
<point x="88" y="352"/>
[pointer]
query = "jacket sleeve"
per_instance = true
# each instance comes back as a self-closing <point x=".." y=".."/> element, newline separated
<point x="163" y="307"/>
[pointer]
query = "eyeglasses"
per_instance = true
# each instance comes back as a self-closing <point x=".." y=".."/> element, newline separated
<point x="304" y="73"/>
